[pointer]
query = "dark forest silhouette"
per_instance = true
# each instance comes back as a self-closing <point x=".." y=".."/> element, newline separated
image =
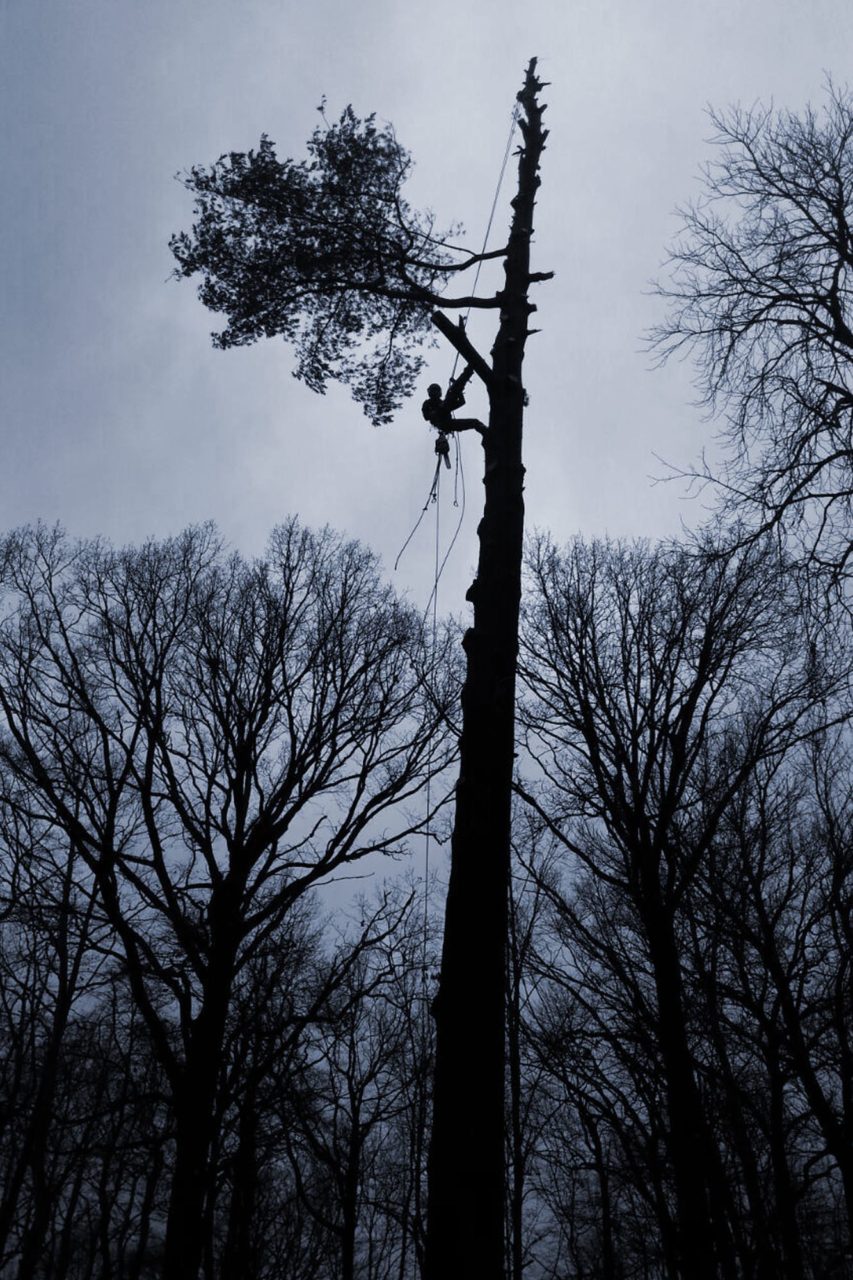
<point x="202" y="1072"/>
<point x="680" y="1023"/>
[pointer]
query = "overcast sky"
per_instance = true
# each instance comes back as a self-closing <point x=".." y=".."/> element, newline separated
<point x="119" y="418"/>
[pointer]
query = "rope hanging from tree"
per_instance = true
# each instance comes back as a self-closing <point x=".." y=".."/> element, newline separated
<point x="432" y="602"/>
<point x="459" y="478"/>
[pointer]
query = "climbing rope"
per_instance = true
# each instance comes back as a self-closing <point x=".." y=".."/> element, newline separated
<point x="459" y="479"/>
<point x="512" y="123"/>
<point x="432" y="496"/>
<point x="439" y="564"/>
<point x="428" y="831"/>
<point x="439" y="570"/>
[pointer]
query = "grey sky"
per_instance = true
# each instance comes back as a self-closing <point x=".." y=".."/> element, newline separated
<point x="118" y="417"/>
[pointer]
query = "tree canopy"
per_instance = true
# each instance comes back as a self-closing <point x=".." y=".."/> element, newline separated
<point x="326" y="253"/>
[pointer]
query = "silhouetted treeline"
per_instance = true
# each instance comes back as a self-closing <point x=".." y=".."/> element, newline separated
<point x="190" y="744"/>
<point x="689" y="1015"/>
<point x="197" y="1065"/>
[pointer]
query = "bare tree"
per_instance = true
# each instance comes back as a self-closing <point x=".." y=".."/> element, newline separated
<point x="782" y="894"/>
<point x="214" y="738"/>
<point x="659" y="682"/>
<point x="760" y="294"/>
<point x="52" y="936"/>
<point x="348" y="1136"/>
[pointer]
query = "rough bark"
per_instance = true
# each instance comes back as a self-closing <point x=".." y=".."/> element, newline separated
<point x="465" y="1231"/>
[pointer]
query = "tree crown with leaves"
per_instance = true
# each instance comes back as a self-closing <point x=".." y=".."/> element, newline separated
<point x="326" y="253"/>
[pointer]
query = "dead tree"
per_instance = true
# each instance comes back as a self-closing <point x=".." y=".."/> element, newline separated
<point x="329" y="255"/>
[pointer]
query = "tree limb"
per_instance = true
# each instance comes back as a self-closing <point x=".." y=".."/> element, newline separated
<point x="458" y="339"/>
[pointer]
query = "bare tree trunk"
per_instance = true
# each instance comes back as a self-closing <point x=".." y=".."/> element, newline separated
<point x="239" y="1255"/>
<point x="195" y="1108"/>
<point x="786" y="1201"/>
<point x="349" y="1201"/>
<point x="687" y="1138"/>
<point x="154" y="1173"/>
<point x="609" y="1269"/>
<point x="193" y="1103"/>
<point x="465" y="1225"/>
<point x="516" y="1135"/>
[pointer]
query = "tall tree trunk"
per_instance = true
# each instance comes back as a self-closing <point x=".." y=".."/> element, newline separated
<point x="751" y="1229"/>
<point x="608" y="1265"/>
<point x="239" y="1253"/>
<point x="785" y="1209"/>
<point x="686" y="1138"/>
<point x="465" y="1222"/>
<point x="349" y="1199"/>
<point x="184" y="1245"/>
<point x="194" y="1103"/>
<point x="152" y="1178"/>
<point x="516" y="1186"/>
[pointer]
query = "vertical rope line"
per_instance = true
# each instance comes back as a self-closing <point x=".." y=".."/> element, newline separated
<point x="512" y="124"/>
<point x="428" y="832"/>
<point x="440" y="571"/>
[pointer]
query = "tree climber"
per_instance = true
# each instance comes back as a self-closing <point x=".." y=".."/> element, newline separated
<point x="438" y="412"/>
